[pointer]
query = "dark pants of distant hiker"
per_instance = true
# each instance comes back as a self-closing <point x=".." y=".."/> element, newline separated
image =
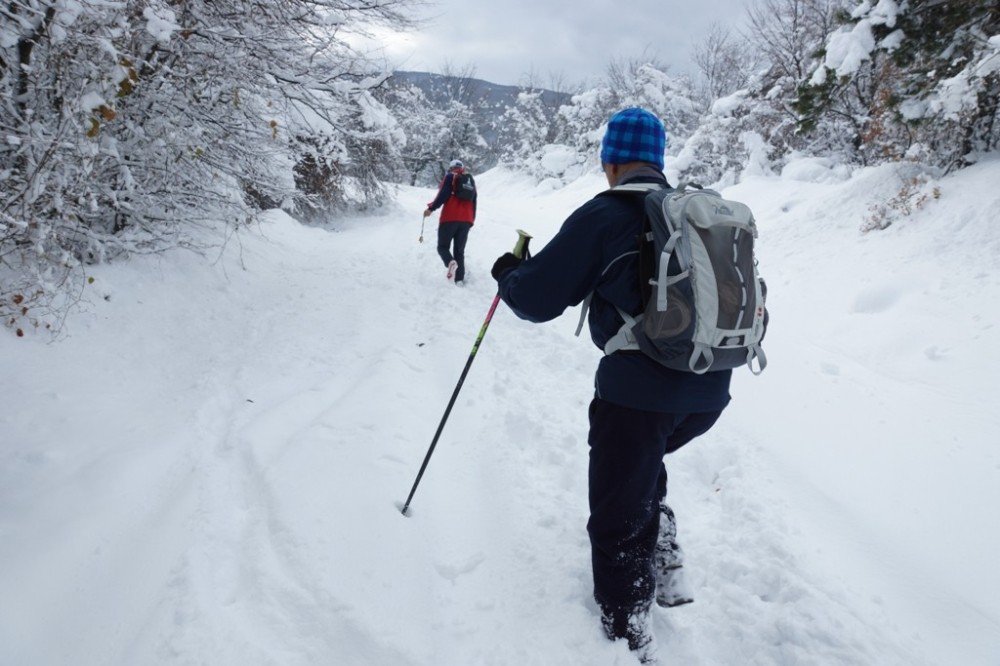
<point x="457" y="232"/>
<point x="627" y="483"/>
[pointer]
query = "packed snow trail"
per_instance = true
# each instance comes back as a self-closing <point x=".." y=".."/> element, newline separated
<point x="207" y="468"/>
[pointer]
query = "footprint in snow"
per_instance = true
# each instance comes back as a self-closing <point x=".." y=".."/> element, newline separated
<point x="876" y="299"/>
<point x="451" y="571"/>
<point x="935" y="353"/>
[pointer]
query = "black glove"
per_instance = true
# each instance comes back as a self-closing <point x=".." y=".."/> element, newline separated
<point x="505" y="263"/>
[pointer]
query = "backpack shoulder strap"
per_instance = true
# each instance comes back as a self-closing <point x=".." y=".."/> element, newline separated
<point x="630" y="189"/>
<point x="638" y="187"/>
<point x="586" y="301"/>
<point x="633" y="189"/>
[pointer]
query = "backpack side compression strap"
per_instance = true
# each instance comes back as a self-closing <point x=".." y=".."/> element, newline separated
<point x="586" y="301"/>
<point x="624" y="338"/>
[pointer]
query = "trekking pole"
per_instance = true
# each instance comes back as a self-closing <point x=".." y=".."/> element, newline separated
<point x="422" y="223"/>
<point x="519" y="249"/>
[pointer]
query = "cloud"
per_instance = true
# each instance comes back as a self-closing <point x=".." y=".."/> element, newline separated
<point x="506" y="40"/>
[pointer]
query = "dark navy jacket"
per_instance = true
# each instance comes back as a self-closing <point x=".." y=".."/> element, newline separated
<point x="596" y="251"/>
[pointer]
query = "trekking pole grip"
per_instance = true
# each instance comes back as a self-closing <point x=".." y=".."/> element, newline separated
<point x="523" y="237"/>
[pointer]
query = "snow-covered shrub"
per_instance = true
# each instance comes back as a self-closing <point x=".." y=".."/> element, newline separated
<point x="753" y="130"/>
<point x="917" y="188"/>
<point x="919" y="71"/>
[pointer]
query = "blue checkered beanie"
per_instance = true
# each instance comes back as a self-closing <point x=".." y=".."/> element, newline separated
<point x="634" y="135"/>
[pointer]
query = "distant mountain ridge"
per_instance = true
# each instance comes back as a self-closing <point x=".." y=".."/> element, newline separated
<point x="497" y="97"/>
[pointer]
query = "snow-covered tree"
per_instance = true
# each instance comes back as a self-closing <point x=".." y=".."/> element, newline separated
<point x="726" y="62"/>
<point x="439" y="125"/>
<point x="348" y="164"/>
<point x="650" y="85"/>
<point x="757" y="127"/>
<point x="579" y="125"/>
<point x="912" y="77"/>
<point x="524" y="129"/>
<point x="421" y="125"/>
<point x="459" y="138"/>
<point x="788" y="34"/>
<point x="125" y="123"/>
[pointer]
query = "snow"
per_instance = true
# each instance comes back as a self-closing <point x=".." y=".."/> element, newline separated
<point x="758" y="163"/>
<point x="375" y="116"/>
<point x="892" y="41"/>
<point x="811" y="169"/>
<point x="8" y="36"/>
<point x="91" y="100"/>
<point x="884" y="13"/>
<point x="846" y="50"/>
<point x="724" y="106"/>
<point x="954" y="96"/>
<point x="160" y="24"/>
<point x="556" y="160"/>
<point x="207" y="466"/>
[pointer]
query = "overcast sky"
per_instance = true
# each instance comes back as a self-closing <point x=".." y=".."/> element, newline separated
<point x="504" y="39"/>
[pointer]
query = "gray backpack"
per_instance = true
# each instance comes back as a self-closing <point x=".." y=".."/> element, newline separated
<point x="705" y="302"/>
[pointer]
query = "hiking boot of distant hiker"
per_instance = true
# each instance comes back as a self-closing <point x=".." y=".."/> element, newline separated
<point x="452" y="267"/>
<point x="459" y="283"/>
<point x="635" y="626"/>
<point x="671" y="587"/>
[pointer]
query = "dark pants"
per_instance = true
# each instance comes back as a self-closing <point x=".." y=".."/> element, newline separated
<point x="628" y="480"/>
<point x="457" y="233"/>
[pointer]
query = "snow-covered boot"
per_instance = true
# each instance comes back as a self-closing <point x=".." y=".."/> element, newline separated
<point x="635" y="626"/>
<point x="452" y="268"/>
<point x="671" y="587"/>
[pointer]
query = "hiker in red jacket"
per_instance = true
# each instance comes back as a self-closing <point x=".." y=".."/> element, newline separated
<point x="458" y="196"/>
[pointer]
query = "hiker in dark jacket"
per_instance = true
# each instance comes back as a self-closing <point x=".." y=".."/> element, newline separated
<point x="457" y="217"/>
<point x="641" y="410"/>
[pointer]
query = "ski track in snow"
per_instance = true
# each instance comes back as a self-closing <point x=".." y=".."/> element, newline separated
<point x="261" y="526"/>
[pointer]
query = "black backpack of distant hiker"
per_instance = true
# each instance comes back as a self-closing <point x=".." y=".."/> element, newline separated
<point x="464" y="187"/>
<point x="704" y="300"/>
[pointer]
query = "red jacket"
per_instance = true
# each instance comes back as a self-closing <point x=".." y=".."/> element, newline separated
<point x="455" y="209"/>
